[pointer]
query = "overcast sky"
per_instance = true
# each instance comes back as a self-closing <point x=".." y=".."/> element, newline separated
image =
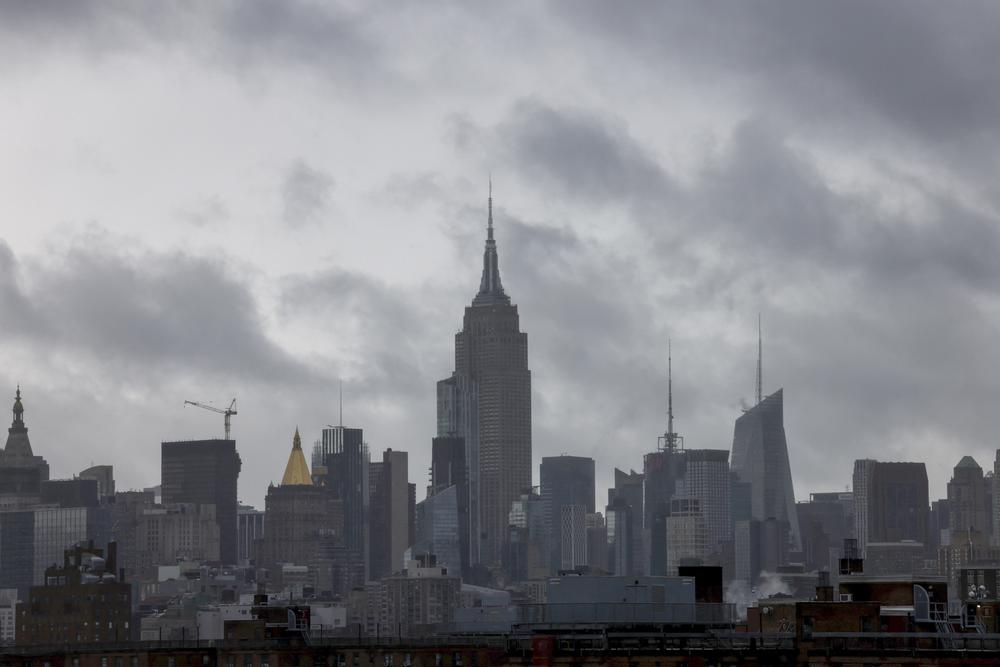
<point x="255" y="199"/>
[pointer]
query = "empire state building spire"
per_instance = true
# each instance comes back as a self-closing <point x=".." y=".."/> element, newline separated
<point x="490" y="287"/>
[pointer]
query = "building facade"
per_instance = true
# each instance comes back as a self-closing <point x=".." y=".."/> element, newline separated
<point x="21" y="472"/>
<point x="487" y="401"/>
<point x="391" y="521"/>
<point x="299" y="518"/>
<point x="566" y="481"/>
<point x="970" y="501"/>
<point x="347" y="461"/>
<point x="760" y="457"/>
<point x="204" y="472"/>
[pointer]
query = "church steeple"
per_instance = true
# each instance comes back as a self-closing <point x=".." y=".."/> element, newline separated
<point x="490" y="287"/>
<point x="296" y="470"/>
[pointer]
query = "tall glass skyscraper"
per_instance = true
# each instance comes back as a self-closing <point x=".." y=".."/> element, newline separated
<point x="760" y="458"/>
<point x="487" y="401"/>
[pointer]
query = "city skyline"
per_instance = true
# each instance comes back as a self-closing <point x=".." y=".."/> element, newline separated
<point x="242" y="205"/>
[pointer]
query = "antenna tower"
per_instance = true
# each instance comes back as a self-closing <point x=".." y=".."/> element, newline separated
<point x="760" y="371"/>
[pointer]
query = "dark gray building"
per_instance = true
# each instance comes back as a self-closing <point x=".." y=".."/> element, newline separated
<point x="70" y="492"/>
<point x="566" y="481"/>
<point x="825" y="521"/>
<point x="104" y="475"/>
<point x="390" y="529"/>
<point x="623" y="515"/>
<point x="437" y="529"/>
<point x="204" y="472"/>
<point x="970" y="501"/>
<point x="487" y="401"/>
<point x="449" y="471"/>
<point x="897" y="502"/>
<point x="760" y="457"/>
<point x="347" y="462"/>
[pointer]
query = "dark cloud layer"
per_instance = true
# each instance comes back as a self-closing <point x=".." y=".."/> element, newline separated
<point x="140" y="309"/>
<point x="878" y="289"/>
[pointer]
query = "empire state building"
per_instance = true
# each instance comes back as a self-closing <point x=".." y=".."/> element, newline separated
<point x="487" y="401"/>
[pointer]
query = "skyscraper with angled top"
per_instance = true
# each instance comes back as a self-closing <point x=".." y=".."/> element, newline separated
<point x="487" y="400"/>
<point x="760" y="459"/>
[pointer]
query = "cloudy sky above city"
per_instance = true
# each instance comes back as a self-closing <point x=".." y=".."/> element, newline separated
<point x="202" y="200"/>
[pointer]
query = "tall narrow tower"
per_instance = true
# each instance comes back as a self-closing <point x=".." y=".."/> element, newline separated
<point x="487" y="401"/>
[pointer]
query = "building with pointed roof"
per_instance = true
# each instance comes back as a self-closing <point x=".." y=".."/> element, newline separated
<point x="487" y="401"/>
<point x="21" y="472"/>
<point x="296" y="470"/>
<point x="303" y="524"/>
<point x="760" y="458"/>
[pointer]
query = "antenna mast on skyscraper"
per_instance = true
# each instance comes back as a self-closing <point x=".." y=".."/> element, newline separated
<point x="670" y="395"/>
<point x="760" y="371"/>
<point x="670" y="438"/>
<point x="341" y="404"/>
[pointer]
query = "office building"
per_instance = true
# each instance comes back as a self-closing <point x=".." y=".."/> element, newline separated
<point x="662" y="471"/>
<point x="150" y="534"/>
<point x="939" y="533"/>
<point x="760" y="457"/>
<point x="419" y="598"/>
<point x="860" y="482"/>
<point x="895" y="558"/>
<point x="625" y="499"/>
<point x="687" y="534"/>
<point x="566" y="481"/>
<point x="104" y="475"/>
<point x="995" y="488"/>
<point x="525" y="555"/>
<point x="891" y="498"/>
<point x="437" y="529"/>
<point x="619" y="524"/>
<point x="76" y="492"/>
<point x="487" y="401"/>
<point x="249" y="528"/>
<point x="572" y="536"/>
<point x="825" y="521"/>
<point x="347" y="462"/>
<point x="707" y="479"/>
<point x="390" y="527"/>
<point x="970" y="500"/>
<point x="449" y="470"/>
<point x="597" y="543"/>
<point x="204" y="472"/>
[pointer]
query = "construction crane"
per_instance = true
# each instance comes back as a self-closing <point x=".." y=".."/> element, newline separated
<point x="228" y="412"/>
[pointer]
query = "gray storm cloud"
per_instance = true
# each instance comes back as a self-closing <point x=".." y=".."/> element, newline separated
<point x="845" y="188"/>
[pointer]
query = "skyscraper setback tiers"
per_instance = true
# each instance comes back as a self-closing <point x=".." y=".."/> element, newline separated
<point x="487" y="401"/>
